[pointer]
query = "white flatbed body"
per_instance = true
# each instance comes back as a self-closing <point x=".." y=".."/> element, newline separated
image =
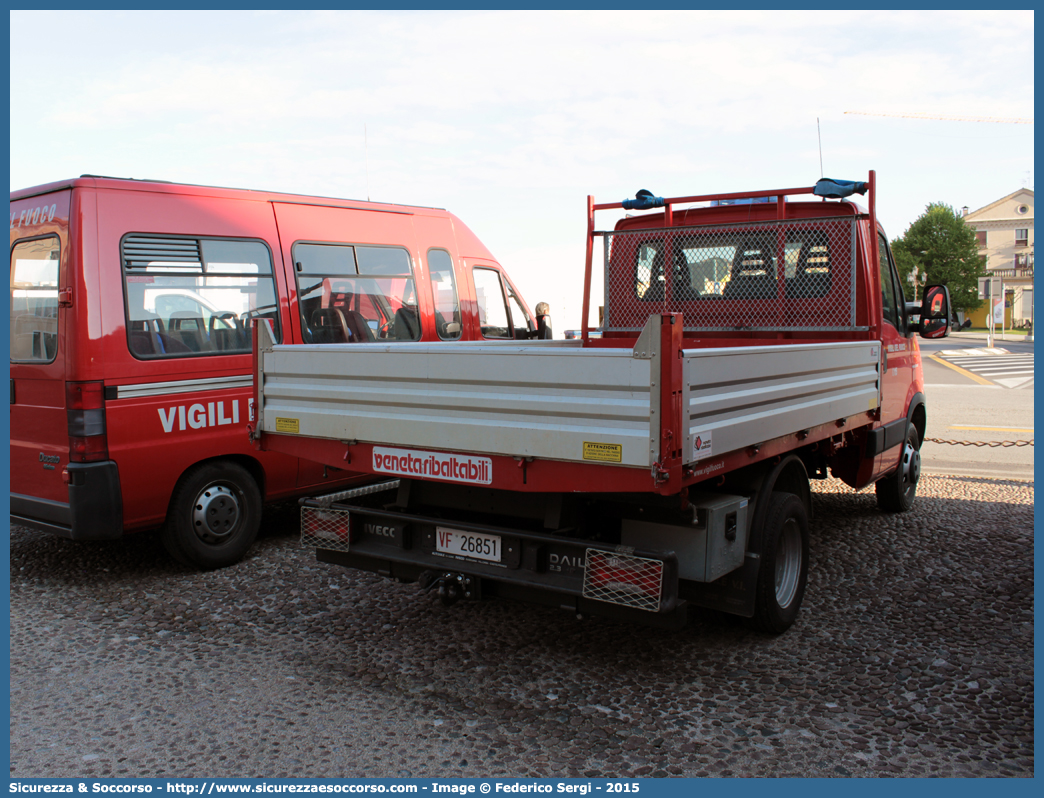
<point x="548" y="399"/>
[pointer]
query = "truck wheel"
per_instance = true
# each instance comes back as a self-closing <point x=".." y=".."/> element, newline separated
<point x="784" y="564"/>
<point x="214" y="516"/>
<point x="896" y="492"/>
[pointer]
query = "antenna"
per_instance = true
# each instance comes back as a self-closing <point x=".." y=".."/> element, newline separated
<point x="366" y="159"/>
<point x="820" y="134"/>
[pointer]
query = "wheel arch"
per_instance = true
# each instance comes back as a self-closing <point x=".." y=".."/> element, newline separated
<point x="917" y="415"/>
<point x="791" y="476"/>
<point x="253" y="467"/>
<point x="788" y="475"/>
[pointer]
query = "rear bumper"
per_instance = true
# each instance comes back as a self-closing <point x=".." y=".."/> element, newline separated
<point x="94" y="510"/>
<point x="586" y="577"/>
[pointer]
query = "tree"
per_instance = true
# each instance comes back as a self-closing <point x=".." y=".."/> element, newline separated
<point x="944" y="249"/>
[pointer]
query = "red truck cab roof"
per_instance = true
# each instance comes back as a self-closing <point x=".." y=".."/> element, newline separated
<point x="732" y="214"/>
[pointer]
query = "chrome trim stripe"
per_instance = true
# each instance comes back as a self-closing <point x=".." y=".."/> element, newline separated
<point x="183" y="386"/>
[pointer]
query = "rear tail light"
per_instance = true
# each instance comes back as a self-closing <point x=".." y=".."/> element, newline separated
<point x="620" y="578"/>
<point x="85" y="410"/>
<point x="325" y="528"/>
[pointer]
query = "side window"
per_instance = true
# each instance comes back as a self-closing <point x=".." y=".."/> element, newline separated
<point x="34" y="300"/>
<point x="521" y="324"/>
<point x="349" y="293"/>
<point x="492" y="307"/>
<point x="900" y="298"/>
<point x="889" y="301"/>
<point x="195" y="296"/>
<point x="444" y="289"/>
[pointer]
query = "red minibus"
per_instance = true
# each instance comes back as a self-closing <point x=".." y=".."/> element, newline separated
<point x="131" y="308"/>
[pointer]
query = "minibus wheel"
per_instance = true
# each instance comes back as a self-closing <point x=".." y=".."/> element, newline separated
<point x="213" y="517"/>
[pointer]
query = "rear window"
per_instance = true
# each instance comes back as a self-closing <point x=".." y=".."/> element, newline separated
<point x="734" y="265"/>
<point x="34" y="300"/>
<point x="189" y="297"/>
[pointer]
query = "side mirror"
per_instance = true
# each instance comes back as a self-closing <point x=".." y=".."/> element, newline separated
<point x="543" y="315"/>
<point x="935" y="312"/>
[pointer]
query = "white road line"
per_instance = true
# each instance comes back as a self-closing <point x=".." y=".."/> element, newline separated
<point x="986" y="360"/>
<point x="1017" y="382"/>
<point x="1005" y="374"/>
<point x="967" y="352"/>
<point x="1006" y="367"/>
<point x="998" y="359"/>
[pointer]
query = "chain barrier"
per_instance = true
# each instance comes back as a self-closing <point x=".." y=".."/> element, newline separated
<point x="992" y="444"/>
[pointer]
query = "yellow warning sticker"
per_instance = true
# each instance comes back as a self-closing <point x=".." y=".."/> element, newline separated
<point x="873" y="403"/>
<point x="603" y="452"/>
<point x="288" y="425"/>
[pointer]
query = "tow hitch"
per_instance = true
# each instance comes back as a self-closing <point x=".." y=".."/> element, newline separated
<point x="452" y="586"/>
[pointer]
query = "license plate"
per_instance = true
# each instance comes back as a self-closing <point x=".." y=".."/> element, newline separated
<point x="473" y="545"/>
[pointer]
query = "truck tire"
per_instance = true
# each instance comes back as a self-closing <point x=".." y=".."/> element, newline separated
<point x="784" y="564"/>
<point x="896" y="492"/>
<point x="214" y="516"/>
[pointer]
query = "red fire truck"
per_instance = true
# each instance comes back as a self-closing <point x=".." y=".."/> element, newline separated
<point x="750" y="342"/>
<point x="131" y="303"/>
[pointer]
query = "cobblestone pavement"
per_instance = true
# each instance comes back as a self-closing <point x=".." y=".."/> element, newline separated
<point x="912" y="656"/>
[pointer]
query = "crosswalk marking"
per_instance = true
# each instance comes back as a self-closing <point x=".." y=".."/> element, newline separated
<point x="985" y="350"/>
<point x="997" y="365"/>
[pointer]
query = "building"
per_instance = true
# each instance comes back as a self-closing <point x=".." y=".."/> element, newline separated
<point x="1005" y="232"/>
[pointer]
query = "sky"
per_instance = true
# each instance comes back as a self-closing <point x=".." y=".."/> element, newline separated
<point x="511" y="119"/>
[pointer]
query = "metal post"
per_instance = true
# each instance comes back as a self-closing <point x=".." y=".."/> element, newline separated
<point x="872" y="192"/>
<point x="1004" y="299"/>
<point x="989" y="312"/>
<point x="584" y="326"/>
<point x="1033" y="301"/>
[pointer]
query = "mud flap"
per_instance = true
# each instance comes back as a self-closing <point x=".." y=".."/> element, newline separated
<point x="733" y="593"/>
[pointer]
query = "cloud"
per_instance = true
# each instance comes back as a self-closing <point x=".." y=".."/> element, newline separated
<point x="623" y="73"/>
<point x="511" y="118"/>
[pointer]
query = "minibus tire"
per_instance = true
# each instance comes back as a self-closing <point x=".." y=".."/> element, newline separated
<point x="784" y="564"/>
<point x="227" y="494"/>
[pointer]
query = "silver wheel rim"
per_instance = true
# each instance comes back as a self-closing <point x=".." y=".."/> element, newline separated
<point x="788" y="563"/>
<point x="910" y="468"/>
<point x="215" y="514"/>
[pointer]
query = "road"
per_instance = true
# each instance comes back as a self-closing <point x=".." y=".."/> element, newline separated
<point x="912" y="656"/>
<point x="977" y="395"/>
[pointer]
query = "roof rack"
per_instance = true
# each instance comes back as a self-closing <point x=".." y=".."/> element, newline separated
<point x="645" y="199"/>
